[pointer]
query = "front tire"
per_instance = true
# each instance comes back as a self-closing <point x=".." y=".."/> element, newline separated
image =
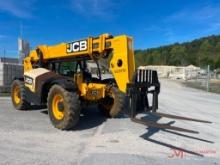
<point x="113" y="103"/>
<point x="63" y="107"/>
<point x="18" y="95"/>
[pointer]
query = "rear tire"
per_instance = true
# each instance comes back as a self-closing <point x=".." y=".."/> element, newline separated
<point x="18" y="95"/>
<point x="63" y="107"/>
<point x="112" y="104"/>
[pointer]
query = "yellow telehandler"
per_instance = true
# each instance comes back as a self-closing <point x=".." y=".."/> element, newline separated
<point x="58" y="76"/>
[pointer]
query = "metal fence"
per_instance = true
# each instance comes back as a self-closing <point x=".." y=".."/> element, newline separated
<point x="197" y="77"/>
<point x="8" y="72"/>
<point x="205" y="79"/>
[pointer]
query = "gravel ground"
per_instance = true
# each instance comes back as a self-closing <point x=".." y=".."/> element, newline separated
<point x="27" y="137"/>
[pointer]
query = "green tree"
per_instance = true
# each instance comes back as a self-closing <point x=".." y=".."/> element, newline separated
<point x="200" y="52"/>
<point x="178" y="55"/>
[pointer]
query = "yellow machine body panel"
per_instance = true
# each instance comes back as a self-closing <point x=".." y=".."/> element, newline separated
<point x="122" y="62"/>
<point x="31" y="76"/>
<point x="90" y="91"/>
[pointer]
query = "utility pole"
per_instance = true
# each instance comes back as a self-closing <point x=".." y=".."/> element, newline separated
<point x="4" y="52"/>
<point x="208" y="77"/>
<point x="21" y="30"/>
<point x="20" y="44"/>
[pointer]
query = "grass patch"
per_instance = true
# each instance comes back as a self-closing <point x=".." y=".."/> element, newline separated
<point x="4" y="94"/>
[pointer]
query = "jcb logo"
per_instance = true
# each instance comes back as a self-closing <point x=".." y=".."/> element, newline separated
<point x="77" y="46"/>
<point x="28" y="80"/>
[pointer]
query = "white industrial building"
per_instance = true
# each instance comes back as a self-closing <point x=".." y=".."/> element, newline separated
<point x="175" y="72"/>
<point x="9" y="69"/>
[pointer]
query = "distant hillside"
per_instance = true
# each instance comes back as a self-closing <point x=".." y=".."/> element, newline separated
<point x="199" y="52"/>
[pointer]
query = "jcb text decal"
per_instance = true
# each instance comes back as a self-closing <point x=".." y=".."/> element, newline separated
<point x="76" y="46"/>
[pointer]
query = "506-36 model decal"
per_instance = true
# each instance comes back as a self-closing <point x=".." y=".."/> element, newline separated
<point x="76" y="46"/>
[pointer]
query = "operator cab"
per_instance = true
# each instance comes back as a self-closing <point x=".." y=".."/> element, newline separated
<point x="71" y="68"/>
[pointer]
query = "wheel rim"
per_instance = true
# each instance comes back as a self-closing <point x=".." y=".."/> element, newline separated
<point x="16" y="94"/>
<point x="58" y="107"/>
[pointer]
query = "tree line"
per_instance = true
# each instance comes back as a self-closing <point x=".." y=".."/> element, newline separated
<point x="200" y="52"/>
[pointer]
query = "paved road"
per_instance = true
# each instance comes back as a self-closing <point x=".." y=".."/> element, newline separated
<point x="29" y="138"/>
